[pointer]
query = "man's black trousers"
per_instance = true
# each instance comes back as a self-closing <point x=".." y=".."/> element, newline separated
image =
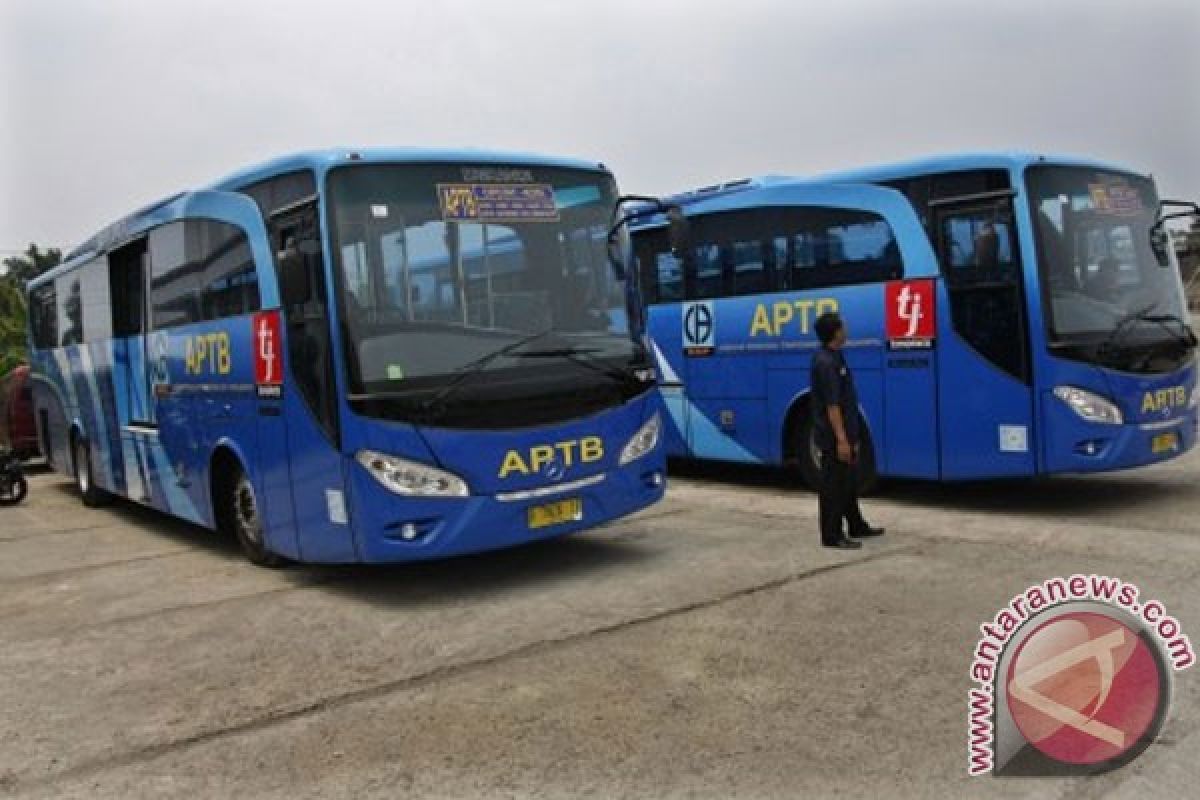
<point x="838" y="499"/>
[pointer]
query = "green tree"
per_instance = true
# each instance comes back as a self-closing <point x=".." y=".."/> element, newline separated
<point x="33" y="262"/>
<point x="12" y="326"/>
<point x="17" y="272"/>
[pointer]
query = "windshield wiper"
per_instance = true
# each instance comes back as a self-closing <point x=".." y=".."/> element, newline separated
<point x="436" y="404"/>
<point x="1185" y="336"/>
<point x="1111" y="343"/>
<point x="584" y="357"/>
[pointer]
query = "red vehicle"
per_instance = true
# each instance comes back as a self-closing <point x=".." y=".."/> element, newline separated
<point x="17" y="428"/>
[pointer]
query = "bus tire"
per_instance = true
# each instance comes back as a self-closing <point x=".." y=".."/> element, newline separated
<point x="808" y="455"/>
<point x="91" y="494"/>
<point x="241" y="512"/>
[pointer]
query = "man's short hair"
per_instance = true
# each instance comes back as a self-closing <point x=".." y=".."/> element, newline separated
<point x="827" y="326"/>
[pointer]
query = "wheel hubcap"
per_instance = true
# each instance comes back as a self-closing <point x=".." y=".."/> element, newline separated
<point x="814" y="452"/>
<point x="246" y="510"/>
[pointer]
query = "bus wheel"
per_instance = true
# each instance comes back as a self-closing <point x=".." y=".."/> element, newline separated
<point x="247" y="524"/>
<point x="92" y="495"/>
<point x="809" y="457"/>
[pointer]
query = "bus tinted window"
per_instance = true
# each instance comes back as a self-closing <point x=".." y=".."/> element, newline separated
<point x="750" y="274"/>
<point x="228" y="280"/>
<point x="43" y="316"/>
<point x="97" y="315"/>
<point x="200" y="270"/>
<point x="70" y="310"/>
<point x="780" y="247"/>
<point x="707" y="275"/>
<point x="172" y="278"/>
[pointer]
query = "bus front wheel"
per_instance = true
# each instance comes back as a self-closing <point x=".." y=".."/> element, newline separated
<point x="241" y="514"/>
<point x="809" y="456"/>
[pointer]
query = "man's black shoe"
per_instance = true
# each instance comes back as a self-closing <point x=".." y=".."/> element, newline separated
<point x="868" y="532"/>
<point x="844" y="544"/>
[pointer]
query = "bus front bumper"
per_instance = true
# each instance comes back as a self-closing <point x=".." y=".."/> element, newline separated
<point x="395" y="529"/>
<point x="1072" y="444"/>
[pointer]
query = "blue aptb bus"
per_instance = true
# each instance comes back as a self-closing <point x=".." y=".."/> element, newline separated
<point x="359" y="356"/>
<point x="1009" y="315"/>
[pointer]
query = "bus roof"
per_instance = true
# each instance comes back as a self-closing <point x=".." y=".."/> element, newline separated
<point x="322" y="160"/>
<point x="953" y="162"/>
<point x="319" y="161"/>
<point x="961" y="162"/>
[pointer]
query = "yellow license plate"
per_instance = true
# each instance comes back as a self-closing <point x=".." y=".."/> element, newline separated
<point x="556" y="513"/>
<point x="1164" y="443"/>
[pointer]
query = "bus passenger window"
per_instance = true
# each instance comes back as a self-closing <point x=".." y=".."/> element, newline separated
<point x="669" y="271"/>
<point x="43" y="312"/>
<point x="707" y="278"/>
<point x="978" y="241"/>
<point x="749" y="268"/>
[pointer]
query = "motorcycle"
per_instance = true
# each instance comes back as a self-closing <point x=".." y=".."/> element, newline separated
<point x="13" y="486"/>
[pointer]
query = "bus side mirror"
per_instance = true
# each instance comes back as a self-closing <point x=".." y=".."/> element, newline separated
<point x="1160" y="239"/>
<point x="678" y="231"/>
<point x="1160" y="242"/>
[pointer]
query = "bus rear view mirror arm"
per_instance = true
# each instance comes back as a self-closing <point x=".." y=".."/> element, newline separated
<point x="1159" y="241"/>
<point x="677" y="230"/>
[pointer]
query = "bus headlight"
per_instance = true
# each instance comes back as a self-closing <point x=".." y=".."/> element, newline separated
<point x="1194" y="401"/>
<point x="642" y="442"/>
<point x="1089" y="405"/>
<point x="411" y="478"/>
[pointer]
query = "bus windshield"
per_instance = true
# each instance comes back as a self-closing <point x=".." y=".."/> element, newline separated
<point x="445" y="268"/>
<point x="1096" y="263"/>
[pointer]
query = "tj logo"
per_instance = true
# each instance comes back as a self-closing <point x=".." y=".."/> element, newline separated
<point x="908" y="308"/>
<point x="268" y="355"/>
<point x="910" y="313"/>
<point x="266" y="350"/>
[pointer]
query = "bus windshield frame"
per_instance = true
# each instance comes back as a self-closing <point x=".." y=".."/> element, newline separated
<point x="430" y="292"/>
<point x="1108" y="298"/>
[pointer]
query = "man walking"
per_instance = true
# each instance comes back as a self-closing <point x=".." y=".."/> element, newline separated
<point x="836" y="427"/>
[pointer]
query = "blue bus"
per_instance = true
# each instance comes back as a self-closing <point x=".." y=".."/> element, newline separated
<point x="1009" y="315"/>
<point x="378" y="355"/>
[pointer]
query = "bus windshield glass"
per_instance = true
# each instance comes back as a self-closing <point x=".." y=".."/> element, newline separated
<point x="1098" y="269"/>
<point x="444" y="268"/>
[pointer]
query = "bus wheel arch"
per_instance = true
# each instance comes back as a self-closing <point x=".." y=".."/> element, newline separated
<point x="799" y="452"/>
<point x="236" y="507"/>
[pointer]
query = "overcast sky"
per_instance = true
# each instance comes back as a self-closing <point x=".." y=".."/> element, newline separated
<point x="110" y="104"/>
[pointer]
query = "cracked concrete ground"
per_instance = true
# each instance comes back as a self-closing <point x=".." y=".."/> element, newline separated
<point x="705" y="648"/>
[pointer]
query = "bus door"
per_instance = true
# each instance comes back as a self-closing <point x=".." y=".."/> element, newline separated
<point x="308" y="401"/>
<point x="137" y="426"/>
<point x="908" y="446"/>
<point x="985" y="397"/>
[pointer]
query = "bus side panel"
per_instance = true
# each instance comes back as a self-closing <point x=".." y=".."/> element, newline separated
<point x="908" y="447"/>
<point x="202" y="394"/>
<point x="726" y="383"/>
<point x="985" y="415"/>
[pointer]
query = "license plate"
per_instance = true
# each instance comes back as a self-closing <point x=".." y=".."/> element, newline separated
<point x="1164" y="443"/>
<point x="570" y="510"/>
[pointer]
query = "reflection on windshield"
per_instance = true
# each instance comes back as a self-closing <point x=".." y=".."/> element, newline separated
<point x="438" y="269"/>
<point x="1095" y="258"/>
